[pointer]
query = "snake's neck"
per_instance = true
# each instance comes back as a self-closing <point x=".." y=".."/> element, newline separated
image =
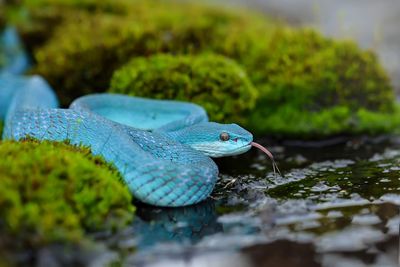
<point x="177" y="135"/>
<point x="189" y="135"/>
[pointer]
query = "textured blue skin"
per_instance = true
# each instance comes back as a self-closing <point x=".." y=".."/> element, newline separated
<point x="158" y="163"/>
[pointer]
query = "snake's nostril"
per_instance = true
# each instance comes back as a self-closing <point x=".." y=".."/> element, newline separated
<point x="235" y="139"/>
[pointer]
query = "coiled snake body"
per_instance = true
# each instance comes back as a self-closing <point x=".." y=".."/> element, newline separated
<point x="161" y="148"/>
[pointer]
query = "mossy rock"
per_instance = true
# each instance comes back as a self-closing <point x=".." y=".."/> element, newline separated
<point x="86" y="49"/>
<point x="212" y="81"/>
<point x="53" y="192"/>
<point x="36" y="20"/>
<point x="309" y="86"/>
<point x="306" y="69"/>
<point x="102" y="49"/>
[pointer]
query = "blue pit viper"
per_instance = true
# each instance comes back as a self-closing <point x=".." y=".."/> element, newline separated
<point x="161" y="148"/>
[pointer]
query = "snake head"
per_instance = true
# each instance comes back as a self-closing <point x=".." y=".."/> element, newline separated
<point x="221" y="140"/>
<point x="215" y="139"/>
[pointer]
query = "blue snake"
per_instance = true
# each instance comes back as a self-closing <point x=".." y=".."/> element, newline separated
<point x="161" y="148"/>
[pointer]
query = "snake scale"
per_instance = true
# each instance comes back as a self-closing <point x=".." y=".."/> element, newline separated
<point x="161" y="148"/>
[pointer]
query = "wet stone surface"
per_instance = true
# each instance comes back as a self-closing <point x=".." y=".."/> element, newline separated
<point x="336" y="205"/>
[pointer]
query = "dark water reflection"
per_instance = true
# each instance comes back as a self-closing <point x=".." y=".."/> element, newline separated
<point x="186" y="225"/>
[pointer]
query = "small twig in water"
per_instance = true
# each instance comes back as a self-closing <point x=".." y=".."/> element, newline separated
<point x="231" y="182"/>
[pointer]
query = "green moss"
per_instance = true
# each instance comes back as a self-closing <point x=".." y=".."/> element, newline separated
<point x="305" y="81"/>
<point x="110" y="6"/>
<point x="53" y="192"/>
<point x="291" y="122"/>
<point x="88" y="60"/>
<point x="316" y="86"/>
<point x="215" y="82"/>
<point x="90" y="47"/>
<point x="37" y="19"/>
<point x="308" y="70"/>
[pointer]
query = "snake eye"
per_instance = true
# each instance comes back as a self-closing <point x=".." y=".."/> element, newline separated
<point x="224" y="136"/>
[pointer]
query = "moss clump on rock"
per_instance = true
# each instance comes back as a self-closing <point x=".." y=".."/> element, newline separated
<point x="215" y="82"/>
<point x="90" y="47"/>
<point x="88" y="60"/>
<point x="36" y="20"/>
<point x="314" y="86"/>
<point x="53" y="192"/>
<point x="306" y="69"/>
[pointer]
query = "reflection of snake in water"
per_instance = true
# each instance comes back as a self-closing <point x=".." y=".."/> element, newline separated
<point x="161" y="148"/>
<point x="185" y="224"/>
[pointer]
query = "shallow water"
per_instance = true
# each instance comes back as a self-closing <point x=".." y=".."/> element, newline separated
<point x="336" y="205"/>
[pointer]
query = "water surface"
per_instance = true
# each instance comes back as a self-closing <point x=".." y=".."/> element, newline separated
<point x="336" y="205"/>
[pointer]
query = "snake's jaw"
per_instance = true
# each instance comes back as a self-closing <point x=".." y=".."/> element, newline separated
<point x="232" y="152"/>
<point x="218" y="149"/>
<point x="240" y="150"/>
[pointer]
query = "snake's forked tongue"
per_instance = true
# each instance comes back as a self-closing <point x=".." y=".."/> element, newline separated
<point x="269" y="154"/>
